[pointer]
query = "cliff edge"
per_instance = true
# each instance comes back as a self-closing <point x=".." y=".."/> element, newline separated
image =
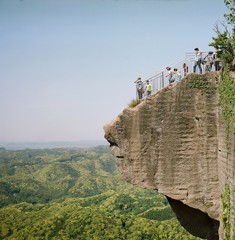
<point x="174" y="142"/>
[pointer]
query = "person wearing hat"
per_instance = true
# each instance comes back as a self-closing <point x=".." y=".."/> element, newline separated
<point x="139" y="88"/>
<point x="170" y="75"/>
<point x="148" y="88"/>
<point x="198" y="60"/>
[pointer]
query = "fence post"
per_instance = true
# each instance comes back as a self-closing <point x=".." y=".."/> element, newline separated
<point x="162" y="79"/>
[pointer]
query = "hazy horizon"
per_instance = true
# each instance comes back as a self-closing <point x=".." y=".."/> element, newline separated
<point x="52" y="144"/>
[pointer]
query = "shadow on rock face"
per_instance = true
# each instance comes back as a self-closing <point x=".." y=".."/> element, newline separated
<point x="195" y="221"/>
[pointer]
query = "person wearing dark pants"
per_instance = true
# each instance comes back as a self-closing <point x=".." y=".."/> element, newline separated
<point x="139" y="88"/>
<point x="198" y="60"/>
<point x="217" y="60"/>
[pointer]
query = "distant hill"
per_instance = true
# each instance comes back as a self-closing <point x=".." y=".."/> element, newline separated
<point x="51" y="145"/>
<point x="44" y="175"/>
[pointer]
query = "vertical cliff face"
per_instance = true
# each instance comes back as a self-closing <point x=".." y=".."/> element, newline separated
<point x="173" y="142"/>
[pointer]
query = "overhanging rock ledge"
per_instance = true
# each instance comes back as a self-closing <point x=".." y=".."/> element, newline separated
<point x="174" y="142"/>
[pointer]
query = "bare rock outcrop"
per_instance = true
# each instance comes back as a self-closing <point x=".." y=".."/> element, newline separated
<point x="174" y="142"/>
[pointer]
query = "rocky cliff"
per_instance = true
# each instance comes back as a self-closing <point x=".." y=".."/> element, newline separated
<point x="175" y="142"/>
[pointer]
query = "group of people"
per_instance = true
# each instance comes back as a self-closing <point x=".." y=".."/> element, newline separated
<point x="209" y="60"/>
<point x="174" y="74"/>
<point x="141" y="88"/>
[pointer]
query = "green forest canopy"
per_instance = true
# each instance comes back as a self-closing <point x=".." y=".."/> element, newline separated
<point x="76" y="194"/>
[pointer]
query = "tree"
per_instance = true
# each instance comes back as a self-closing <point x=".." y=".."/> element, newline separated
<point x="230" y="16"/>
<point x="225" y="39"/>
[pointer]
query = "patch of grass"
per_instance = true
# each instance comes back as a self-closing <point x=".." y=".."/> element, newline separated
<point x="201" y="82"/>
<point x="133" y="103"/>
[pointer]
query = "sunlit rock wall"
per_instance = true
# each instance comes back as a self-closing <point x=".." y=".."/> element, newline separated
<point x="174" y="142"/>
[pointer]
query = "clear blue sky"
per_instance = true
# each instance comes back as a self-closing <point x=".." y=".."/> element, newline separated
<point x="67" y="67"/>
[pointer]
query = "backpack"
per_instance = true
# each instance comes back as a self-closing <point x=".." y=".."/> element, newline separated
<point x="140" y="86"/>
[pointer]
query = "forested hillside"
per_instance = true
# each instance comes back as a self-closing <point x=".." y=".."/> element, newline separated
<point x="76" y="194"/>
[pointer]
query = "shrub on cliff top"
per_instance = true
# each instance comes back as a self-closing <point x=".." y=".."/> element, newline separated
<point x="203" y="82"/>
<point x="225" y="39"/>
<point x="133" y="103"/>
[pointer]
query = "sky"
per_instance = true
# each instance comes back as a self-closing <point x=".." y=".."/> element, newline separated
<point x="67" y="67"/>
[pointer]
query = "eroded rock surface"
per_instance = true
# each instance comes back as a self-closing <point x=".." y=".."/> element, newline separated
<point x="171" y="143"/>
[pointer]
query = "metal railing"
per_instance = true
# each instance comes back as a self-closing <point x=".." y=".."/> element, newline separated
<point x="160" y="79"/>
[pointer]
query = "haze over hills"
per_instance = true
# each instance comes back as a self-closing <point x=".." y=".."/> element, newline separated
<point x="52" y="144"/>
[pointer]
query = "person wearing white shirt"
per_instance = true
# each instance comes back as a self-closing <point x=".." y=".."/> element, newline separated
<point x="198" y="60"/>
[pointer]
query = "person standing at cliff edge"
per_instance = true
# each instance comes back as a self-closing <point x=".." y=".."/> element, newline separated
<point x="198" y="60"/>
<point x="185" y="68"/>
<point x="170" y="75"/>
<point x="217" y="60"/>
<point x="139" y="88"/>
<point x="148" y="88"/>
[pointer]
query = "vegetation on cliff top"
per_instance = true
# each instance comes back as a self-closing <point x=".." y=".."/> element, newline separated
<point x="203" y="82"/>
<point x="225" y="39"/>
<point x="133" y="103"/>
